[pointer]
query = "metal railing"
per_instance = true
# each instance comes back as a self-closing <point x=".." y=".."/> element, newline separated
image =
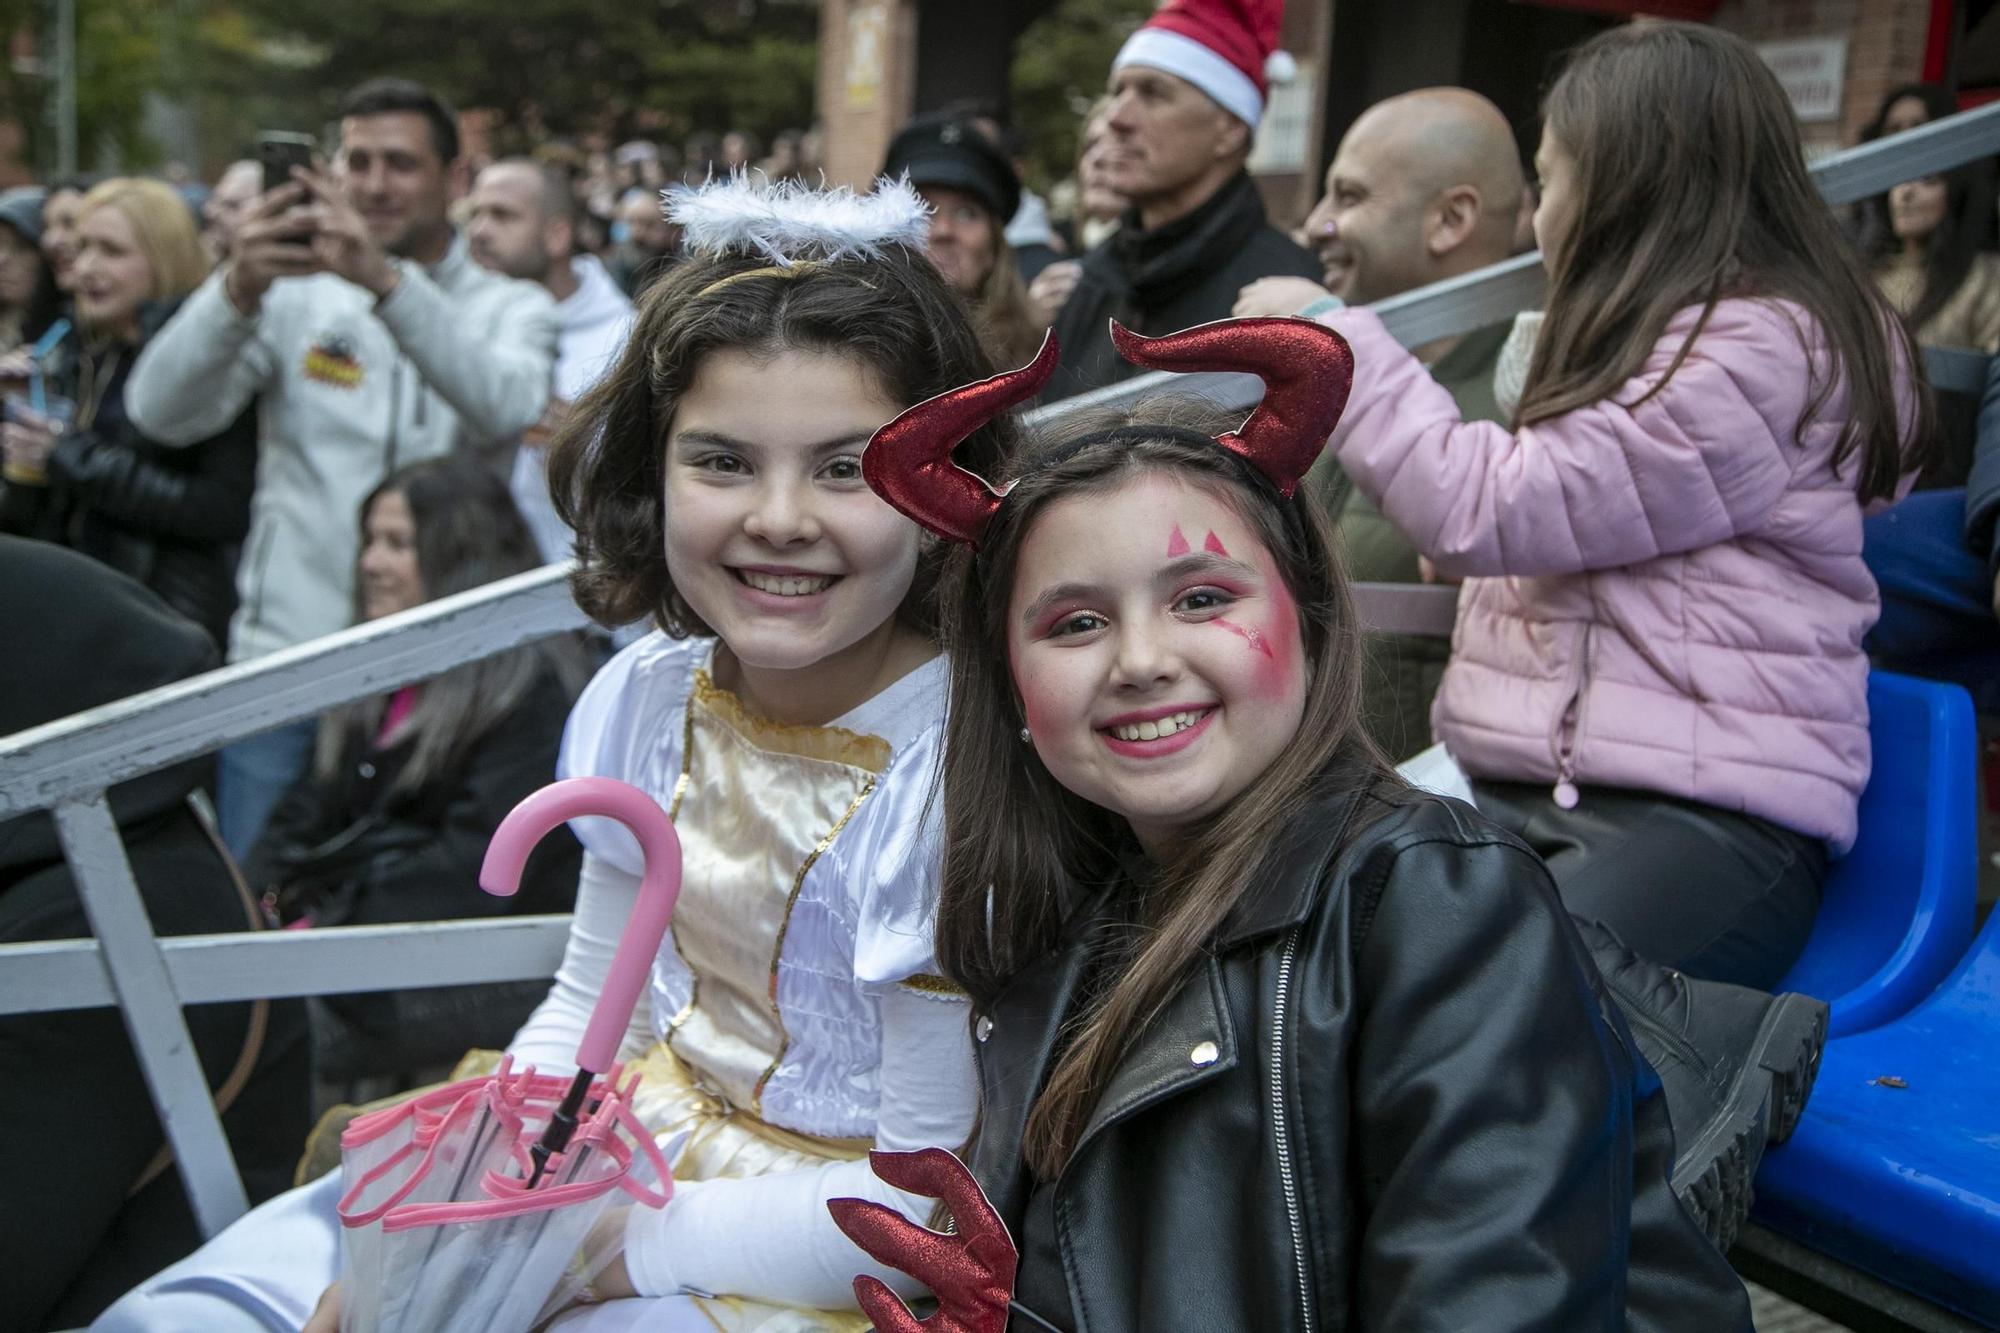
<point x="66" y="766"/>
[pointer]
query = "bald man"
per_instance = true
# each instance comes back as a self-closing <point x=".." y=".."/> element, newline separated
<point x="1424" y="187"/>
<point x="523" y="224"/>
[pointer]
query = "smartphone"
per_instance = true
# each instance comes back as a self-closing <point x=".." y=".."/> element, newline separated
<point x="278" y="152"/>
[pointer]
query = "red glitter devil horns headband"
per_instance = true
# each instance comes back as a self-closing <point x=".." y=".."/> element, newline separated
<point x="908" y="462"/>
<point x="1307" y="370"/>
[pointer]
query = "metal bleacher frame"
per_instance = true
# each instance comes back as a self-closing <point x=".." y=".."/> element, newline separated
<point x="66" y="766"/>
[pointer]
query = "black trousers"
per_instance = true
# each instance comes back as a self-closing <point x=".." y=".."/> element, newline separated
<point x="1720" y="896"/>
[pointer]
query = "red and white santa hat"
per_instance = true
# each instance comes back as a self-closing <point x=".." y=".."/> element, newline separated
<point x="1226" y="48"/>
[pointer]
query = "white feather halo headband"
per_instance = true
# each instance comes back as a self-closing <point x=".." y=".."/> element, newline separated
<point x="790" y="221"/>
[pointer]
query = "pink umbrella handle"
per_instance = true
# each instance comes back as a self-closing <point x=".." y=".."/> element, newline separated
<point x="531" y="821"/>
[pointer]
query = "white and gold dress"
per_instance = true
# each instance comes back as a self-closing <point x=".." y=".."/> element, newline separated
<point x="794" y="1018"/>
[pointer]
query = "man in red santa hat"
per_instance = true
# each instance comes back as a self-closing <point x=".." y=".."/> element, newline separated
<point x="1187" y="91"/>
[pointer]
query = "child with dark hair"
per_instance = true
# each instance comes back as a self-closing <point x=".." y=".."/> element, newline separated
<point x="788" y="712"/>
<point x="1267" y="1040"/>
<point x="1657" y="677"/>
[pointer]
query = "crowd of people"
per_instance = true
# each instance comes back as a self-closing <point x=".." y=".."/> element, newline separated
<point x="971" y="787"/>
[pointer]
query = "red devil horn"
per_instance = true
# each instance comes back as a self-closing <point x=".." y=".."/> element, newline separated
<point x="908" y="462"/>
<point x="1307" y="370"/>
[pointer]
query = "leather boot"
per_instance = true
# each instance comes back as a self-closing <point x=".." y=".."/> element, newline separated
<point x="1737" y="1066"/>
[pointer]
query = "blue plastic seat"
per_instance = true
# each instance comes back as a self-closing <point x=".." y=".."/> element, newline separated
<point x="1895" y="1167"/>
<point x="1897" y="910"/>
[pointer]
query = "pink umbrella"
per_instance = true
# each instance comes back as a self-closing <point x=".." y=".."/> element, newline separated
<point x="472" y="1206"/>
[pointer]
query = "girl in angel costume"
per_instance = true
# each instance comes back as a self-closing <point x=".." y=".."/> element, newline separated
<point x="788" y="711"/>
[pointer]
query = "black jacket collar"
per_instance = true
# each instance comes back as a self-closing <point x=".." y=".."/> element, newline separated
<point x="1155" y="264"/>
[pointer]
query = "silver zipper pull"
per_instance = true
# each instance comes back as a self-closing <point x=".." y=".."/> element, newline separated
<point x="1566" y="794"/>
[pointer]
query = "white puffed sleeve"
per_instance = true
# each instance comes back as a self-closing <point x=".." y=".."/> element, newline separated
<point x="625" y="725"/>
<point x="891" y="872"/>
<point x="629" y="724"/>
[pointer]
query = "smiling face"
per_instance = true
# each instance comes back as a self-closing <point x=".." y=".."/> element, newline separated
<point x="392" y="174"/>
<point x="1155" y="650"/>
<point x="772" y="537"/>
<point x="390" y="579"/>
<point x="1367" y="229"/>
<point x="112" y="276"/>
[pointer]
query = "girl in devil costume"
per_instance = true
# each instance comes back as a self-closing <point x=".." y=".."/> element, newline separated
<point x="788" y="711"/>
<point x="1267" y="1040"/>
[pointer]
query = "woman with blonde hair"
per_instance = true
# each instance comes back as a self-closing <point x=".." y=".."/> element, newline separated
<point x="78" y="471"/>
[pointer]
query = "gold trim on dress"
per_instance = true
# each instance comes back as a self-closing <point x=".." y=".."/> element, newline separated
<point x="833" y="745"/>
<point x="674" y="812"/>
<point x="931" y="984"/>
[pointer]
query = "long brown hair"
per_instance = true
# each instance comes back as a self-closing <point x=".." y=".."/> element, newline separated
<point x="891" y="315"/>
<point x="1019" y="848"/>
<point x="1691" y="186"/>
<point x="1005" y="316"/>
<point x="468" y="534"/>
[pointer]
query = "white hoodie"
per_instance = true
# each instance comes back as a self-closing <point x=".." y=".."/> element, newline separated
<point x="347" y="390"/>
<point x="596" y="318"/>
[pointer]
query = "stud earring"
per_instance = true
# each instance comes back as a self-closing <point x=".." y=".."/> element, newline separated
<point x="1026" y="736"/>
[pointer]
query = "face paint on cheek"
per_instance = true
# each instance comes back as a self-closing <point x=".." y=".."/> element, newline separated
<point x="1177" y="544"/>
<point x="1281" y="636"/>
<point x="1258" y="643"/>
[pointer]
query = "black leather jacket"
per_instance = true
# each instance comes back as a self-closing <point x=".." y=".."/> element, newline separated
<point x="1394" y="1097"/>
<point x="172" y="518"/>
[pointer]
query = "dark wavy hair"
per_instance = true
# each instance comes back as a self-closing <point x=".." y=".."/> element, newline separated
<point x="892" y="316"/>
<point x="468" y="534"/>
<point x="1019" y="847"/>
<point x="1691" y="186"/>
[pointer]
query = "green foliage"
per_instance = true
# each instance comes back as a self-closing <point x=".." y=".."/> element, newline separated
<point x="1061" y="65"/>
<point x="119" y="46"/>
<point x="571" y="66"/>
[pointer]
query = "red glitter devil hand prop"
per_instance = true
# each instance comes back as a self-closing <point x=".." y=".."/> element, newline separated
<point x="1307" y="370"/>
<point x="971" y="1272"/>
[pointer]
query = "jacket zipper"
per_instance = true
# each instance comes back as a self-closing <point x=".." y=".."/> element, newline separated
<point x="1282" y="1133"/>
<point x="1564" y="793"/>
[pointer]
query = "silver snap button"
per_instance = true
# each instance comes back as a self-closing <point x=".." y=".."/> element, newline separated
<point x="367" y="770"/>
<point x="1204" y="1054"/>
<point x="983" y="1028"/>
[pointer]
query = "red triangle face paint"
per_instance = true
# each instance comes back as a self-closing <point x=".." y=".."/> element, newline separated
<point x="1177" y="544"/>
<point x="1214" y="545"/>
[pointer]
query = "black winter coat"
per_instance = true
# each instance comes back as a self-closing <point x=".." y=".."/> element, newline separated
<point x="1174" y="277"/>
<point x="429" y="842"/>
<point x="81" y="1224"/>
<point x="365" y="853"/>
<point x="1394" y="1097"/>
<point x="174" y="519"/>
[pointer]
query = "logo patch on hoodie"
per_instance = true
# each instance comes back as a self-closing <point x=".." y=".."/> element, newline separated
<point x="331" y="360"/>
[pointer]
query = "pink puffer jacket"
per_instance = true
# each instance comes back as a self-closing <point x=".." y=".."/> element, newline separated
<point x="1669" y="597"/>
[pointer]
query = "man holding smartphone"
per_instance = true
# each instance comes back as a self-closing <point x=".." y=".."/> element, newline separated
<point x="353" y="313"/>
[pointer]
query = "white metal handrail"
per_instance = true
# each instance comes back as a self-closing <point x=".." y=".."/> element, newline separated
<point x="66" y="765"/>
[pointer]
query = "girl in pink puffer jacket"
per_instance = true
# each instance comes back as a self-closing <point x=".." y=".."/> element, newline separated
<point x="1657" y="676"/>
